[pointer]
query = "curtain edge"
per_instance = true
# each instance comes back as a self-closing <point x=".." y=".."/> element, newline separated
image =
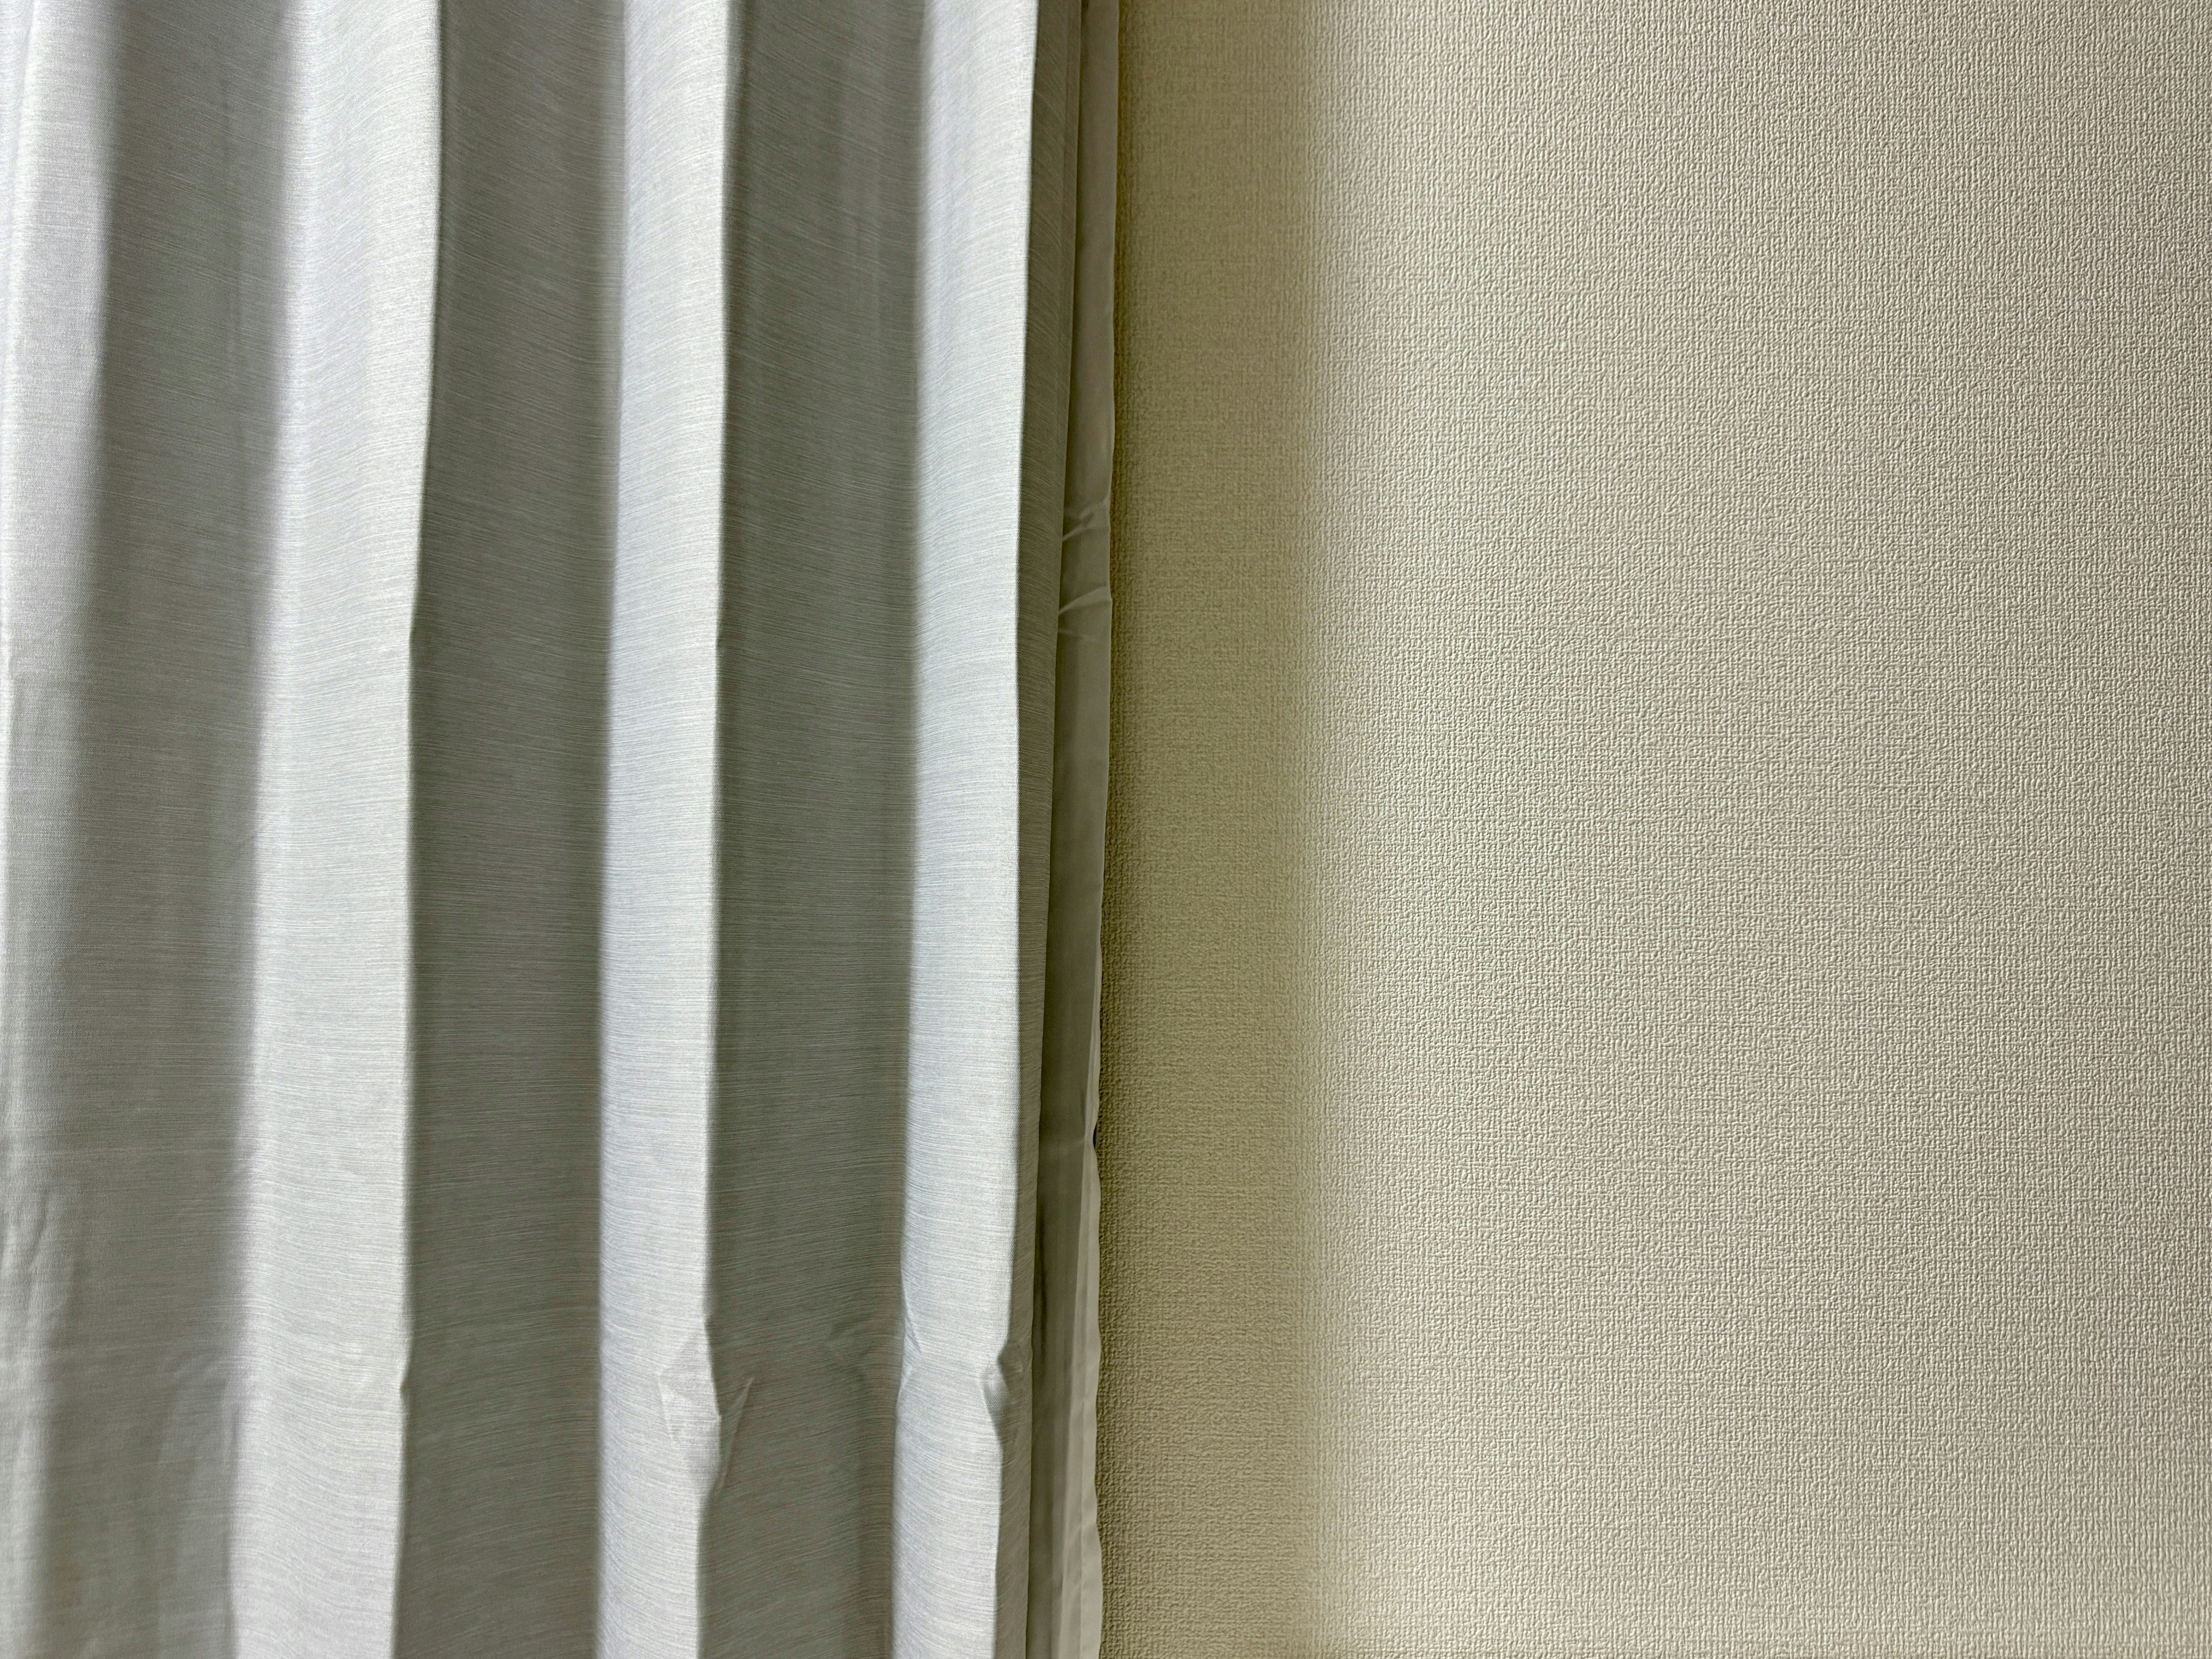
<point x="1065" y="1570"/>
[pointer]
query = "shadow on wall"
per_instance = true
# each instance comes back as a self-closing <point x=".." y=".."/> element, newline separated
<point x="1207" y="1415"/>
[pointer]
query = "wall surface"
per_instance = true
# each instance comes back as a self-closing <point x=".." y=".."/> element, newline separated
<point x="1657" y="1018"/>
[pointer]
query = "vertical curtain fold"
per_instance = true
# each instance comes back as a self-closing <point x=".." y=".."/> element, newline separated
<point x="1066" y="1592"/>
<point x="551" y="663"/>
<point x="320" y="1376"/>
<point x="663" y="1441"/>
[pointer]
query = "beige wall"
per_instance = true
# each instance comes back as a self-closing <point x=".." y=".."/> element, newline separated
<point x="1656" y="1009"/>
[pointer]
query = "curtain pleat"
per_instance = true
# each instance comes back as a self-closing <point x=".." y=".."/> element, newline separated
<point x="551" y="600"/>
<point x="1065" y="1591"/>
<point x="321" y="1377"/>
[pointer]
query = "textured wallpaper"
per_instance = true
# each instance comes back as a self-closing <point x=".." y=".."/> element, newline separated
<point x="1656" y="1006"/>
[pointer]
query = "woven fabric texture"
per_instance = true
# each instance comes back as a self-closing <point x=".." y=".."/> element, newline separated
<point x="549" y="940"/>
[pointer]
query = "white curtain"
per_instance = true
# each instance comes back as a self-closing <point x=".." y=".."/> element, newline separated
<point x="553" y="607"/>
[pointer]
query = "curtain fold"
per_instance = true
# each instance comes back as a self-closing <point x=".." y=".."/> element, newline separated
<point x="552" y="600"/>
